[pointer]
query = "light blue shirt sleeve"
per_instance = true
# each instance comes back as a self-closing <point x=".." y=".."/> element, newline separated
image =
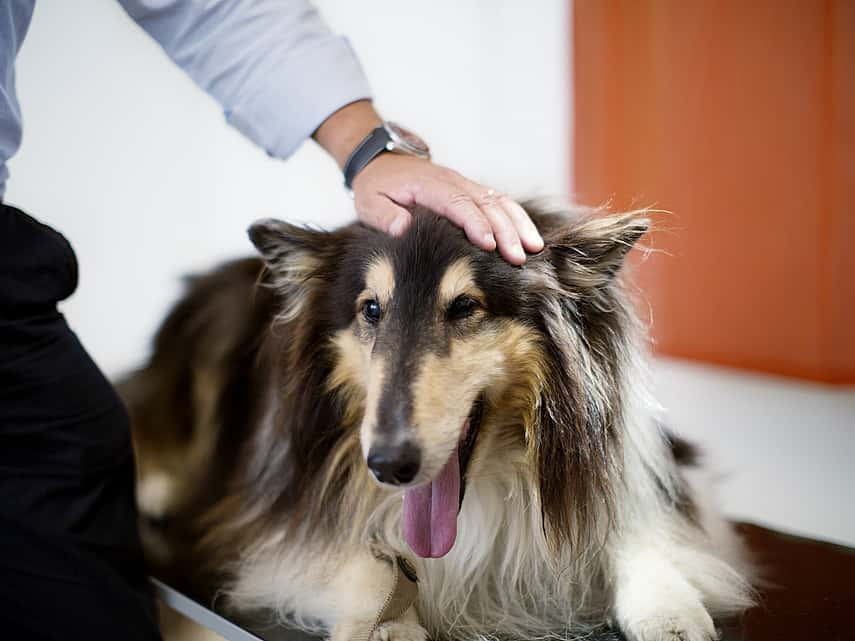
<point x="273" y="65"/>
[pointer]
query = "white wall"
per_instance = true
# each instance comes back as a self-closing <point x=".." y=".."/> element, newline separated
<point x="785" y="449"/>
<point x="131" y="161"/>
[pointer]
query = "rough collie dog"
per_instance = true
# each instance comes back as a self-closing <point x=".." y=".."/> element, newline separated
<point x="352" y="399"/>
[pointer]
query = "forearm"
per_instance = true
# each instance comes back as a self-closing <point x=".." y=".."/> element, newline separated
<point x="341" y="132"/>
<point x="273" y="65"/>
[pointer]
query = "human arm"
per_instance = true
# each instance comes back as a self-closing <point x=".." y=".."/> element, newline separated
<point x="282" y="76"/>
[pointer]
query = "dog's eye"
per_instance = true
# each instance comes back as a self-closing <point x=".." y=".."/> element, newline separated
<point x="462" y="307"/>
<point x="371" y="311"/>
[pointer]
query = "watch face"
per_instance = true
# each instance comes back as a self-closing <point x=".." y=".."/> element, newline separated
<point x="406" y="140"/>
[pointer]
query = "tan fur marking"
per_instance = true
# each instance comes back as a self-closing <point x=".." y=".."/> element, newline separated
<point x="349" y="376"/>
<point x="376" y="374"/>
<point x="379" y="281"/>
<point x="504" y="362"/>
<point x="359" y="378"/>
<point x="358" y="499"/>
<point x="293" y="275"/>
<point x="302" y="266"/>
<point x="459" y="279"/>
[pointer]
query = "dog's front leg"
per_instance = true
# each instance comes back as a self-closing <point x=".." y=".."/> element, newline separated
<point x="373" y="601"/>
<point x="654" y="601"/>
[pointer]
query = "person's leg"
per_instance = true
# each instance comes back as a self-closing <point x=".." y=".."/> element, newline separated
<point x="70" y="555"/>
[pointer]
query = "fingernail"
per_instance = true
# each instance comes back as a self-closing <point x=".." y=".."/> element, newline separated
<point x="490" y="240"/>
<point x="397" y="226"/>
<point x="518" y="252"/>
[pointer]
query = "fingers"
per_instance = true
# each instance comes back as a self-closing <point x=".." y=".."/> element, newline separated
<point x="528" y="233"/>
<point x="490" y="220"/>
<point x="512" y="225"/>
<point x="487" y="217"/>
<point x="507" y="236"/>
<point x="458" y="206"/>
<point x="382" y="213"/>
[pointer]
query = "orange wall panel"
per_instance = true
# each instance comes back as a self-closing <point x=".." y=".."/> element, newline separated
<point x="737" y="118"/>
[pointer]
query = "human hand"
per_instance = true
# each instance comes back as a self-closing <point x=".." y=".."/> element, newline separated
<point x="392" y="183"/>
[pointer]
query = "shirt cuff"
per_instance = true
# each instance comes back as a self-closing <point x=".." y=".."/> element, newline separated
<point x="299" y="95"/>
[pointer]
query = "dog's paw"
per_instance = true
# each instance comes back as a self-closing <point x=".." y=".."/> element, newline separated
<point x="399" y="631"/>
<point x="690" y="624"/>
<point x="655" y="602"/>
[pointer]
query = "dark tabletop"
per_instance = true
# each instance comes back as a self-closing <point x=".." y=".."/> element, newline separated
<point x="809" y="593"/>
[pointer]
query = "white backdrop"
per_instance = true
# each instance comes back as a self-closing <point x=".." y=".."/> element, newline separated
<point x="136" y="165"/>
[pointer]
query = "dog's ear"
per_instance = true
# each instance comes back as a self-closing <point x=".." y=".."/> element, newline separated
<point x="294" y="255"/>
<point x="588" y="254"/>
<point x="577" y="440"/>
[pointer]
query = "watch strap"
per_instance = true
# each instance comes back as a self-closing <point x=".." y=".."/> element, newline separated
<point x="372" y="146"/>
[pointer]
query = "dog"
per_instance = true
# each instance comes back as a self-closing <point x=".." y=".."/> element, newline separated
<point x="349" y="398"/>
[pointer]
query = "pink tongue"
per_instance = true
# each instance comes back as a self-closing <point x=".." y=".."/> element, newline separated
<point x="430" y="512"/>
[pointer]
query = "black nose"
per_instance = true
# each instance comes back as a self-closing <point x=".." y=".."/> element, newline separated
<point x="395" y="464"/>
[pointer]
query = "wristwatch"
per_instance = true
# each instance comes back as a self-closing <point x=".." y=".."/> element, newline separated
<point x="387" y="137"/>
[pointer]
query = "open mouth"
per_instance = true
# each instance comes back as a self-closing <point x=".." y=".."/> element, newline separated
<point x="429" y="518"/>
<point x="467" y="443"/>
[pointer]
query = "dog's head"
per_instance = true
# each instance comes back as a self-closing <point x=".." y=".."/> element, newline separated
<point x="430" y="345"/>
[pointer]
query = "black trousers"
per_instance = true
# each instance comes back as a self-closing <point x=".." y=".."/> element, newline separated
<point x="70" y="557"/>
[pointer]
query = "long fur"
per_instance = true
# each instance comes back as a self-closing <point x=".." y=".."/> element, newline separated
<point x="579" y="507"/>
